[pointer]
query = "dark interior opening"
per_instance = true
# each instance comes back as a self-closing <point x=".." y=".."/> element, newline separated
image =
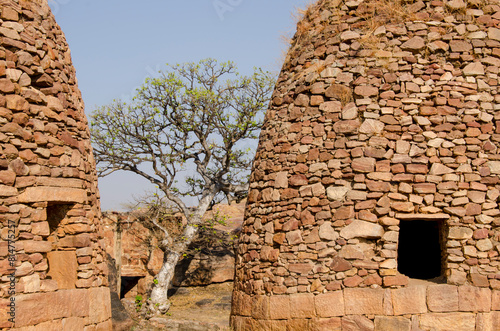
<point x="127" y="284"/>
<point x="420" y="249"/>
<point x="56" y="213"/>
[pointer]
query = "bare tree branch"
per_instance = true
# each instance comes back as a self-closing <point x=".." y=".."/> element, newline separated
<point x="194" y="118"/>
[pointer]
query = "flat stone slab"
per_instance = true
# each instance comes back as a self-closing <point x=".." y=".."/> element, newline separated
<point x="53" y="194"/>
<point x="428" y="217"/>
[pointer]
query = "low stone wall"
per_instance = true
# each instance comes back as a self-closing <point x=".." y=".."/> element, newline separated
<point x="135" y="252"/>
<point x="419" y="307"/>
<point x="65" y="310"/>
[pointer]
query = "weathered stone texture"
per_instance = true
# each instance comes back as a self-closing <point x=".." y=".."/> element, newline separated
<point x="406" y="96"/>
<point x="48" y="181"/>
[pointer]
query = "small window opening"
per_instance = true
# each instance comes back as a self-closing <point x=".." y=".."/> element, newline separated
<point x="420" y="253"/>
<point x="55" y="214"/>
<point x="129" y="286"/>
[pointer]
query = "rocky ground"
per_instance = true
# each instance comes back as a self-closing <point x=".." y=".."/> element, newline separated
<point x="203" y="308"/>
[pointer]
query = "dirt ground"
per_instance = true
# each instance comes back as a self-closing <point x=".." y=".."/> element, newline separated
<point x="211" y="304"/>
<point x="201" y="308"/>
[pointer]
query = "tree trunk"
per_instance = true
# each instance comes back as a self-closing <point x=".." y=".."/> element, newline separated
<point x="159" y="303"/>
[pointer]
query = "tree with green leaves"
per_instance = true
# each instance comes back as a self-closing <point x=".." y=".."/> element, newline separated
<point x="186" y="132"/>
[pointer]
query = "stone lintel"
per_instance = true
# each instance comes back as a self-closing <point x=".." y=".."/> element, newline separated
<point x="422" y="217"/>
<point x="53" y="194"/>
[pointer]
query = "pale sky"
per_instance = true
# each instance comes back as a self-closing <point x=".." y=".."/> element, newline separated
<point x="116" y="44"/>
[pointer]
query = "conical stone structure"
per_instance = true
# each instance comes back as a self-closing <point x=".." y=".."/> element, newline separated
<point x="52" y="268"/>
<point x="374" y="195"/>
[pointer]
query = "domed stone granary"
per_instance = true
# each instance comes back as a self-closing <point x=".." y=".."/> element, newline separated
<point x="52" y="268"/>
<point x="373" y="201"/>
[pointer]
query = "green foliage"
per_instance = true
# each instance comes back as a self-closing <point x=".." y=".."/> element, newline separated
<point x="138" y="302"/>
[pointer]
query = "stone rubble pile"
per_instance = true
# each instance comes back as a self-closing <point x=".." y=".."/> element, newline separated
<point x="48" y="182"/>
<point x="384" y="113"/>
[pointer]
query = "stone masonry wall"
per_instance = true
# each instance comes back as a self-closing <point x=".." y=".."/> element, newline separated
<point x="133" y="248"/>
<point x="385" y="115"/>
<point x="48" y="182"/>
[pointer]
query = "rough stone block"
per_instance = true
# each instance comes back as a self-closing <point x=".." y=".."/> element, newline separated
<point x="362" y="229"/>
<point x="63" y="268"/>
<point x="104" y="326"/>
<point x="279" y="306"/>
<point x="53" y="194"/>
<point x="328" y="324"/>
<point x="474" y="299"/>
<point x="32" y="246"/>
<point x="442" y="298"/>
<point x="51" y="306"/>
<point x="330" y="304"/>
<point x="100" y="304"/>
<point x="302" y="305"/>
<point x="357" y="323"/>
<point x="495" y="300"/>
<point x="448" y="321"/>
<point x="299" y="324"/>
<point x="409" y="300"/>
<point x="73" y="323"/>
<point x="385" y="323"/>
<point x="364" y="301"/>
<point x="260" y="307"/>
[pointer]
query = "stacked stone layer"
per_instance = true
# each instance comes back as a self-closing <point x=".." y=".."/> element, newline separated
<point x="48" y="182"/>
<point x="383" y="113"/>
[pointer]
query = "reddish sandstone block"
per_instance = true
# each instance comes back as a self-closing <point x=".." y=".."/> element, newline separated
<point x="260" y="307"/>
<point x="495" y="300"/>
<point x="73" y="323"/>
<point x="414" y="168"/>
<point x="298" y="325"/>
<point x="100" y="304"/>
<point x="238" y="322"/>
<point x="448" y="321"/>
<point x="259" y="325"/>
<point x="63" y="268"/>
<point x="442" y="298"/>
<point x="363" y="301"/>
<point x="424" y="188"/>
<point x="279" y="307"/>
<point x="327" y="324"/>
<point x="386" y="323"/>
<point x="51" y="306"/>
<point x="241" y="304"/>
<point x="353" y="281"/>
<point x="302" y="305"/>
<point x="32" y="246"/>
<point x="495" y="316"/>
<point x="398" y="280"/>
<point x="357" y="323"/>
<point x="301" y="268"/>
<point x="80" y="240"/>
<point x="330" y="304"/>
<point x="479" y="280"/>
<point x="53" y="194"/>
<point x="474" y="299"/>
<point x="363" y="164"/>
<point x="484" y="322"/>
<point x="409" y="300"/>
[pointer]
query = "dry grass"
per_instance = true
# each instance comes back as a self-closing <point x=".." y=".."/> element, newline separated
<point x="377" y="13"/>
<point x="303" y="17"/>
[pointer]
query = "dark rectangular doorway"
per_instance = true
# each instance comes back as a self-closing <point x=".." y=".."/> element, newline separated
<point x="420" y="249"/>
<point x="127" y="285"/>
